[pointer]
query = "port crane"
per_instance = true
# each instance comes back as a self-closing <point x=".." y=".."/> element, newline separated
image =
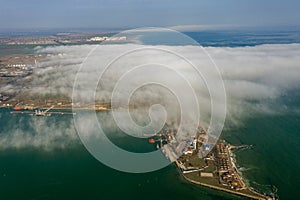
<point x="43" y="113"/>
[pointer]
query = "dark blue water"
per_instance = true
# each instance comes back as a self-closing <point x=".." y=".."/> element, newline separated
<point x="224" y="38"/>
<point x="244" y="38"/>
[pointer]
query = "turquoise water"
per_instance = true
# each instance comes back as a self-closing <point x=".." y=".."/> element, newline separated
<point x="72" y="173"/>
<point x="274" y="160"/>
<point x="61" y="168"/>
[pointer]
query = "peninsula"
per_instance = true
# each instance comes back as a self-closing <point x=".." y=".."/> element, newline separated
<point x="208" y="165"/>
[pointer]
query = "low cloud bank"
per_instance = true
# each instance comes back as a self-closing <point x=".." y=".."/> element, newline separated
<point x="255" y="78"/>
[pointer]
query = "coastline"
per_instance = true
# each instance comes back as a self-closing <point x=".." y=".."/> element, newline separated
<point x="224" y="189"/>
<point x="233" y="161"/>
<point x="245" y="191"/>
<point x="244" y="187"/>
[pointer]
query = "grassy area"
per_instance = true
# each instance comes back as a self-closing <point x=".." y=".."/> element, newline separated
<point x="211" y="167"/>
<point x="193" y="161"/>
<point x="197" y="177"/>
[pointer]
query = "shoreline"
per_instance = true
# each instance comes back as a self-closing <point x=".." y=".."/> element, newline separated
<point x="57" y="108"/>
<point x="246" y="188"/>
<point x="223" y="189"/>
<point x="233" y="161"/>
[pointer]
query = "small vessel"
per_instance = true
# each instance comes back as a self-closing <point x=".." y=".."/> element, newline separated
<point x="151" y="141"/>
<point x="16" y="108"/>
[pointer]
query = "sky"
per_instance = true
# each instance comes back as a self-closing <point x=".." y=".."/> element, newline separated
<point x="35" y="14"/>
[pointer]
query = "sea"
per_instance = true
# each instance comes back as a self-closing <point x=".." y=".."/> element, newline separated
<point x="64" y="169"/>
